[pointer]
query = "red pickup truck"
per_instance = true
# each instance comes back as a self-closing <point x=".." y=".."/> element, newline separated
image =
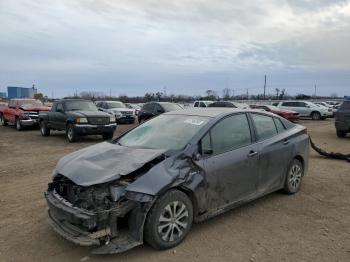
<point x="22" y="112"/>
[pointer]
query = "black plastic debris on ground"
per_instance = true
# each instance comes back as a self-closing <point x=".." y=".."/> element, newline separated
<point x="333" y="155"/>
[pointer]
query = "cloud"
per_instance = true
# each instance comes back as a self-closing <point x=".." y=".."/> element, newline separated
<point x="157" y="42"/>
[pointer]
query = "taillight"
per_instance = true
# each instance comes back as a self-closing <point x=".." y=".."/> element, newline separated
<point x="305" y="130"/>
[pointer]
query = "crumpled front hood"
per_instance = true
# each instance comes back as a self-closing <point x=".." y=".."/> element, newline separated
<point x="103" y="163"/>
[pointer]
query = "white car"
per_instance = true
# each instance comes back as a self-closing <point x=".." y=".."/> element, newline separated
<point x="306" y="109"/>
<point x="324" y="104"/>
<point x="119" y="109"/>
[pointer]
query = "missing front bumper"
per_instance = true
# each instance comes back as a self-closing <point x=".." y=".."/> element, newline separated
<point x="77" y="225"/>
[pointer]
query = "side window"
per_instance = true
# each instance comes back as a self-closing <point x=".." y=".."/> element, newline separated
<point x="289" y="104"/>
<point x="158" y="109"/>
<point x="280" y="127"/>
<point x="264" y="125"/>
<point x="275" y="104"/>
<point x="230" y="133"/>
<point x="59" y="107"/>
<point x="148" y="107"/>
<point x="202" y="104"/>
<point x="301" y="104"/>
<point x="53" y="108"/>
<point x="196" y="104"/>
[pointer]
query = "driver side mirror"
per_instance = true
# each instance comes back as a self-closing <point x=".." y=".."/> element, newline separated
<point x="60" y="110"/>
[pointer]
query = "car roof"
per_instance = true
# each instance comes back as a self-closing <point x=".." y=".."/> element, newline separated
<point x="213" y="111"/>
<point x="72" y="99"/>
<point x="111" y="101"/>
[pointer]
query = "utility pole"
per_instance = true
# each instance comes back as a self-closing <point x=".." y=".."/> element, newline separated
<point x="265" y="87"/>
<point x="315" y="91"/>
<point x="110" y="92"/>
<point x="247" y="94"/>
<point x="233" y="93"/>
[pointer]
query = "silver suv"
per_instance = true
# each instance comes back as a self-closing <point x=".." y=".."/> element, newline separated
<point x="306" y="109"/>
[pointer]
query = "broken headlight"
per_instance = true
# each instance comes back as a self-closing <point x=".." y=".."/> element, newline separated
<point x="117" y="191"/>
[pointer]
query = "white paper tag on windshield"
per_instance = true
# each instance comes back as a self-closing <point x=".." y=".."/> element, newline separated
<point x="193" y="122"/>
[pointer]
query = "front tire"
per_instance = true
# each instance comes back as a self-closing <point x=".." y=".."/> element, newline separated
<point x="71" y="134"/>
<point x="44" y="130"/>
<point x="316" y="116"/>
<point x="18" y="124"/>
<point x="3" y="120"/>
<point x="341" y="133"/>
<point x="169" y="220"/>
<point x="294" y="177"/>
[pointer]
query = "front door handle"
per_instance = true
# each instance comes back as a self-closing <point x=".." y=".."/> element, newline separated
<point x="285" y="142"/>
<point x="252" y="153"/>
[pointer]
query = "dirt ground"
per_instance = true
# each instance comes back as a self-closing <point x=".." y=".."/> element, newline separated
<point x="313" y="225"/>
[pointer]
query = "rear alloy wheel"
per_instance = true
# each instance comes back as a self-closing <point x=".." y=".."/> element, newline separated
<point x="18" y="124"/>
<point x="294" y="177"/>
<point x="71" y="134"/>
<point x="341" y="133"/>
<point x="169" y="220"/>
<point x="316" y="116"/>
<point x="44" y="130"/>
<point x="3" y="121"/>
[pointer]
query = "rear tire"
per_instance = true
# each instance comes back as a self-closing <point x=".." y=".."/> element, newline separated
<point x="169" y="220"/>
<point x="44" y="130"/>
<point x="341" y="133"/>
<point x="315" y="116"/>
<point x="3" y="120"/>
<point x="71" y="134"/>
<point x="18" y="124"/>
<point x="294" y="177"/>
<point x="107" y="136"/>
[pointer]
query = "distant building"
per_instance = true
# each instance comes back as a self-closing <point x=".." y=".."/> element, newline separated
<point x="21" y="92"/>
<point x="3" y="95"/>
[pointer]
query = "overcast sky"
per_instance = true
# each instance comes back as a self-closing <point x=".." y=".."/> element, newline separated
<point x="187" y="46"/>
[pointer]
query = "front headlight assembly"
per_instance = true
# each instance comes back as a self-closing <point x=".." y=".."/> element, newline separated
<point x="81" y="120"/>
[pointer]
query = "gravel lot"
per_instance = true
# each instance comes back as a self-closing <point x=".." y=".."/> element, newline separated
<point x="313" y="225"/>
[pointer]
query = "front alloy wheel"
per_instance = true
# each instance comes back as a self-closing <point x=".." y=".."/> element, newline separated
<point x="173" y="221"/>
<point x="294" y="177"/>
<point x="71" y="134"/>
<point x="18" y="124"/>
<point x="169" y="220"/>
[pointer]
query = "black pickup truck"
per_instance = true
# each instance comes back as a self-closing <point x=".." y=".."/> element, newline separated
<point x="77" y="117"/>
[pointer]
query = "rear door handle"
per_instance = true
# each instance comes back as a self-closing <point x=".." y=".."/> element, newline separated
<point x="252" y="153"/>
<point x="285" y="142"/>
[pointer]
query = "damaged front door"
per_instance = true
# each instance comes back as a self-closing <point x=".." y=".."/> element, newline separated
<point x="230" y="161"/>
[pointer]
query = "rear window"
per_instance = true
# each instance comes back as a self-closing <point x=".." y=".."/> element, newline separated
<point x="264" y="125"/>
<point x="280" y="127"/>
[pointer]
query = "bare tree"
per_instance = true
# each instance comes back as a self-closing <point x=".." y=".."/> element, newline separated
<point x="277" y="92"/>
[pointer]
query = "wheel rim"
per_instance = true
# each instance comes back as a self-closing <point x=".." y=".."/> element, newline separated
<point x="295" y="176"/>
<point x="42" y="128"/>
<point x="18" y="124"/>
<point x="70" y="133"/>
<point x="173" y="221"/>
<point x="2" y="120"/>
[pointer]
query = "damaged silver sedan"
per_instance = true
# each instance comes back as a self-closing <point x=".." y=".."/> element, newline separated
<point x="181" y="167"/>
